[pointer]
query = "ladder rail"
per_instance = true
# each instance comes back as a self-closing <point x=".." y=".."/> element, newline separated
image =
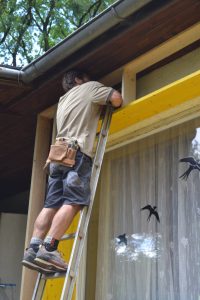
<point x="39" y="287"/>
<point x="80" y="237"/>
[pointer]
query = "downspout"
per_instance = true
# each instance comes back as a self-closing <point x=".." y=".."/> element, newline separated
<point x="88" y="32"/>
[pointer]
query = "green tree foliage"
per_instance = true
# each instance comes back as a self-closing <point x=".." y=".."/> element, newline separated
<point x="28" y="28"/>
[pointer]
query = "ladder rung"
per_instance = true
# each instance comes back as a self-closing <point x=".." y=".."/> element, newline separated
<point x="72" y="273"/>
<point x="68" y="236"/>
<point x="81" y="234"/>
<point x="104" y="133"/>
<point x="97" y="164"/>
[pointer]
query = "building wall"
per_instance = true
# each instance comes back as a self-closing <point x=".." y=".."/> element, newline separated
<point x="12" y="236"/>
<point x="16" y="204"/>
<point x="115" y="215"/>
<point x="146" y="84"/>
<point x="169" y="73"/>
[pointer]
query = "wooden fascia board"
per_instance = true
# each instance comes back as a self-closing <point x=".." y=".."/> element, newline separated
<point x="169" y="47"/>
<point x="159" y="105"/>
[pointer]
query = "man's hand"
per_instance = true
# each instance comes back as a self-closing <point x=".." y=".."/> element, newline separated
<point x="116" y="99"/>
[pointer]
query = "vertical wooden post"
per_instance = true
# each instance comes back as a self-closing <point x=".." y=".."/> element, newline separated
<point x="37" y="194"/>
<point x="128" y="85"/>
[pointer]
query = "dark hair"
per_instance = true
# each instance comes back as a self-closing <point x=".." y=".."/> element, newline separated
<point x="68" y="81"/>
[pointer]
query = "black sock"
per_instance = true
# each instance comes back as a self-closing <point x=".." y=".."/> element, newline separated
<point x="51" y="244"/>
<point x="35" y="243"/>
<point x="35" y="247"/>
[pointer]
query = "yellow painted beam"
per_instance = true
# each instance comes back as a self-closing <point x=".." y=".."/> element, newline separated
<point x="154" y="103"/>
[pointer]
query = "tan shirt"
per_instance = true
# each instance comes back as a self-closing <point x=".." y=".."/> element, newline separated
<point x="79" y="111"/>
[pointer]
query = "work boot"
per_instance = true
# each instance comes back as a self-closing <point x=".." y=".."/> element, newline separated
<point x="51" y="260"/>
<point x="29" y="262"/>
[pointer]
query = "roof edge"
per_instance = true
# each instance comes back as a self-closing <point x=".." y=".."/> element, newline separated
<point x="113" y="15"/>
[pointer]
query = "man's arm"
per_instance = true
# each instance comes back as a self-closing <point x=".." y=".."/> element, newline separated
<point x="101" y="94"/>
<point x="116" y="99"/>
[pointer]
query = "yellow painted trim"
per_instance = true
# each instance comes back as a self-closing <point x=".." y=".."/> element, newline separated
<point x="154" y="103"/>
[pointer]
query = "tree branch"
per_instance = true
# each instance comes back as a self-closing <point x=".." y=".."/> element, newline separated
<point x="88" y="13"/>
<point x="97" y="8"/>
<point x="26" y="21"/>
<point x="5" y="34"/>
<point x="52" y="6"/>
<point x="8" y="27"/>
<point x="26" y="53"/>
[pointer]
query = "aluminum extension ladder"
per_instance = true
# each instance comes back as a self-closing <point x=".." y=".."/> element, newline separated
<point x="80" y="235"/>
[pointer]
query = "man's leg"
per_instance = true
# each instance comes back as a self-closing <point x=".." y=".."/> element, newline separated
<point x="43" y="222"/>
<point x="62" y="220"/>
<point x="41" y="227"/>
<point x="47" y="256"/>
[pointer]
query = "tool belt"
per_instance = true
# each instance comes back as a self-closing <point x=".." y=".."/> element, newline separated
<point x="63" y="153"/>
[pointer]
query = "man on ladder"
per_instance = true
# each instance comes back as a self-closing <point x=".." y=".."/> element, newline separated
<point x="68" y="189"/>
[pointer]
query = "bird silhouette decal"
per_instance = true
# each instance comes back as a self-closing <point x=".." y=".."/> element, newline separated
<point x="152" y="211"/>
<point x="193" y="165"/>
<point x="122" y="239"/>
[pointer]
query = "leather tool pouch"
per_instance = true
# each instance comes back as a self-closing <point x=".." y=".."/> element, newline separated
<point x="62" y="153"/>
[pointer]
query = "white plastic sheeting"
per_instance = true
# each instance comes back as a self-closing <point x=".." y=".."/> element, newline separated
<point x="161" y="261"/>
